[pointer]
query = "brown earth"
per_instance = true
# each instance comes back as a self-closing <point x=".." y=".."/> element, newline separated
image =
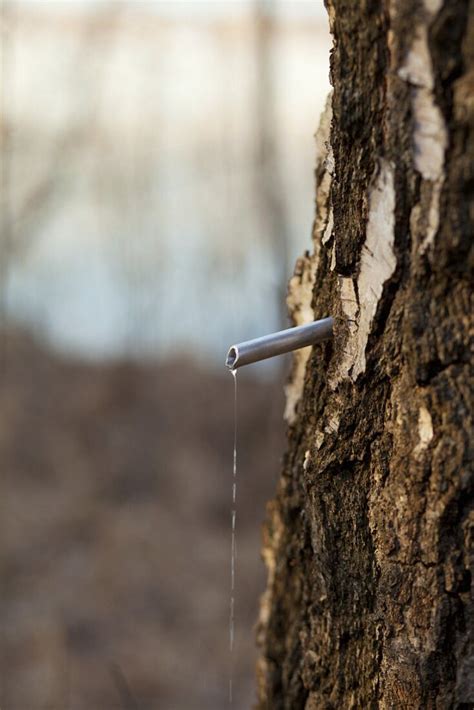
<point x="115" y="555"/>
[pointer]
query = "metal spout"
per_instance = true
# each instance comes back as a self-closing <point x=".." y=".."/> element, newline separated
<point x="278" y="343"/>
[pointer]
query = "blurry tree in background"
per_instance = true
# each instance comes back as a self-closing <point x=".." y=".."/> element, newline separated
<point x="270" y="184"/>
<point x="152" y="145"/>
<point x="369" y="542"/>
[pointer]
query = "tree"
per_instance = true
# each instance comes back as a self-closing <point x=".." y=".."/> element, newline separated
<point x="368" y="542"/>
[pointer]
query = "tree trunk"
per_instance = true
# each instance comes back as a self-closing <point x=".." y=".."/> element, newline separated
<point x="368" y="543"/>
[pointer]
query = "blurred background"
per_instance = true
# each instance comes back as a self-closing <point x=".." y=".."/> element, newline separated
<point x="156" y="188"/>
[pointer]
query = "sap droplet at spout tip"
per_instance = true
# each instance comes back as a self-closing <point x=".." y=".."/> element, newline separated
<point x="232" y="358"/>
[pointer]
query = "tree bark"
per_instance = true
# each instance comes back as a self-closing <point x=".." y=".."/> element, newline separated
<point x="368" y="542"/>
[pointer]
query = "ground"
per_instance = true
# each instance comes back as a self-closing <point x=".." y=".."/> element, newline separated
<point x="115" y="564"/>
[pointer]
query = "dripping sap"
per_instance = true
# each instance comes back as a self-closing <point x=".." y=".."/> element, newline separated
<point x="233" y="553"/>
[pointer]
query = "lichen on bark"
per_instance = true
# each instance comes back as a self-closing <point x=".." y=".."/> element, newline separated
<point x="369" y="602"/>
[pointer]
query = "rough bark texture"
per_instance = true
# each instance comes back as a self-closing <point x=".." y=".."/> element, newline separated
<point x="368" y="543"/>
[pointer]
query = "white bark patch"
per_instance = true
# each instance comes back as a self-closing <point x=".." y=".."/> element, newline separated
<point x="300" y="293"/>
<point x="425" y="430"/>
<point x="324" y="159"/>
<point x="350" y="308"/>
<point x="323" y="149"/>
<point x="318" y="439"/>
<point x="378" y="259"/>
<point x="433" y="6"/>
<point x="377" y="264"/>
<point x="329" y="226"/>
<point x="417" y="67"/>
<point x="429" y="134"/>
<point x="332" y="427"/>
<point x="306" y="459"/>
<point x="294" y="389"/>
<point x="433" y="215"/>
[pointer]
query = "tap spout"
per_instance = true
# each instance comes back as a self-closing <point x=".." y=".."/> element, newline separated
<point x="278" y="343"/>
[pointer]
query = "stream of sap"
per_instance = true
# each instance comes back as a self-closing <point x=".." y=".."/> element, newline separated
<point x="233" y="553"/>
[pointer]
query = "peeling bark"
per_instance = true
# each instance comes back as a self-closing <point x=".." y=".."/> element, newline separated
<point x="368" y="542"/>
<point x="300" y="288"/>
